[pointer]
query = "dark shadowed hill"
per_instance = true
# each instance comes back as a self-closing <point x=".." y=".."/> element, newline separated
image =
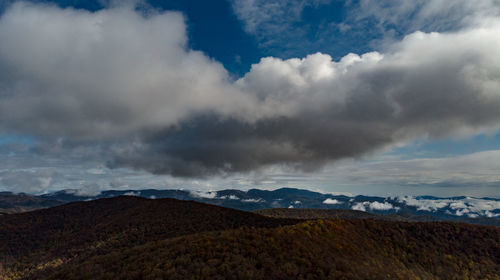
<point x="51" y="235"/>
<point x="320" y="249"/>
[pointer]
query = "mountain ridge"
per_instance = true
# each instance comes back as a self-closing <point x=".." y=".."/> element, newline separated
<point x="460" y="208"/>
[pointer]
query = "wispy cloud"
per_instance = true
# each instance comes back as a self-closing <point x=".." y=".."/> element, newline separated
<point x="273" y="23"/>
<point x="282" y="30"/>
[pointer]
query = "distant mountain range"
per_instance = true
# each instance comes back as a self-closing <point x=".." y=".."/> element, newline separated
<point x="420" y="208"/>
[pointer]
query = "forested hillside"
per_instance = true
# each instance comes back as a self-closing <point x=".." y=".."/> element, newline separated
<point x="308" y="214"/>
<point x="48" y="236"/>
<point x="137" y="238"/>
<point x="321" y="249"/>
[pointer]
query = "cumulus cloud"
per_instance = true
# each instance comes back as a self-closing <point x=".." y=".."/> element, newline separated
<point x="430" y="84"/>
<point x="76" y="73"/>
<point x="331" y="201"/>
<point x="130" y="79"/>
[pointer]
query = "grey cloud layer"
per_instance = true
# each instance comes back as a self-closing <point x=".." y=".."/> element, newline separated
<point x="130" y="79"/>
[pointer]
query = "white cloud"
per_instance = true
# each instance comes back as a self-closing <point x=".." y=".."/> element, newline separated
<point x="132" y="193"/>
<point x="375" y="205"/>
<point x="360" y="206"/>
<point x="202" y="194"/>
<point x="231" y="197"/>
<point x="469" y="206"/>
<point x="331" y="201"/>
<point x="104" y="74"/>
<point x="424" y="204"/>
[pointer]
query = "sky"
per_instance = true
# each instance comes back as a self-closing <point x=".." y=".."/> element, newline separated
<point x="373" y="97"/>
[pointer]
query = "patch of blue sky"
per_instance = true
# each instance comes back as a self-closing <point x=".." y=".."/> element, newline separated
<point x="214" y="29"/>
<point x="8" y="139"/>
<point x="425" y="148"/>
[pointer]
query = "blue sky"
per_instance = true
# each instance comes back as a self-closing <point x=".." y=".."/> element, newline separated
<point x="369" y="97"/>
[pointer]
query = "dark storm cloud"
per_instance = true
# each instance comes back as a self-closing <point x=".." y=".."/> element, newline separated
<point x="210" y="145"/>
